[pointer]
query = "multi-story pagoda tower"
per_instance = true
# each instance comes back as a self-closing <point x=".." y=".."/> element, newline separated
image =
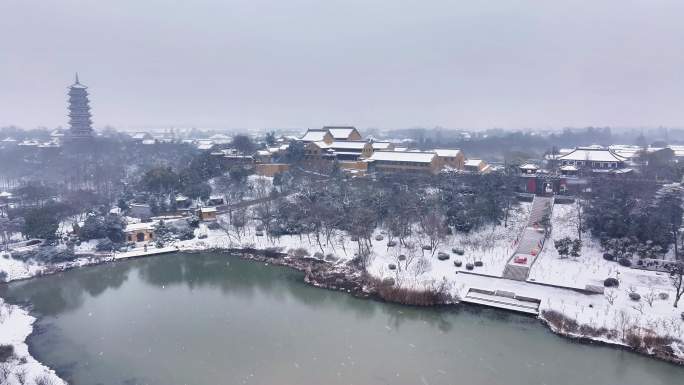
<point x="79" y="112"/>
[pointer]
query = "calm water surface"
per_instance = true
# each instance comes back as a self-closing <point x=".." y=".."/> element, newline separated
<point x="212" y="319"/>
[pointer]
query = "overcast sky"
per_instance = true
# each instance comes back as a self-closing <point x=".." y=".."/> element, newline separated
<point x="371" y="63"/>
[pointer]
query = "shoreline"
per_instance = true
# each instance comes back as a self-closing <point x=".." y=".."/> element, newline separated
<point x="325" y="275"/>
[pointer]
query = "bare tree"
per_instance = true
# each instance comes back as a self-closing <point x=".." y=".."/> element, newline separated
<point x="433" y="227"/>
<point x="650" y="297"/>
<point x="676" y="273"/>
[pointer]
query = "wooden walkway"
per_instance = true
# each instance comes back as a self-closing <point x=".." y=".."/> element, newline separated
<point x="502" y="300"/>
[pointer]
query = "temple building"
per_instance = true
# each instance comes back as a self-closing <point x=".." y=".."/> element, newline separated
<point x="79" y="112"/>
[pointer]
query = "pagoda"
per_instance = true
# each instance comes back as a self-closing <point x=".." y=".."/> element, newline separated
<point x="79" y="112"/>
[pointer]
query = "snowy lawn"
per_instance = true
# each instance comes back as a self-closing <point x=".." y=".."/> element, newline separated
<point x="15" y="325"/>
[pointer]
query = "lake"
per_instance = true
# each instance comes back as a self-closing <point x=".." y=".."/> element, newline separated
<point x="215" y="319"/>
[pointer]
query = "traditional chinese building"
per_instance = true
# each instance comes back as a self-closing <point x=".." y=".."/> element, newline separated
<point x="79" y="112"/>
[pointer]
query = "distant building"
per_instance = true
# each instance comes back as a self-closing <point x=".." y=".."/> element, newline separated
<point x="452" y="158"/>
<point x="79" y="112"/>
<point x="139" y="210"/>
<point x="207" y="213"/>
<point x="475" y="165"/>
<point x="139" y="232"/>
<point x="382" y="146"/>
<point x="216" y="200"/>
<point x="394" y="161"/>
<point x="271" y="169"/>
<point x="596" y="158"/>
<point x="317" y="135"/>
<point x="348" y="150"/>
<point x="343" y="133"/>
<point x="529" y="168"/>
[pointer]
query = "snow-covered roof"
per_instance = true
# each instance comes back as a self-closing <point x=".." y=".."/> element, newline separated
<point x="381" y="145"/>
<point x="314" y="135"/>
<point x="148" y="141"/>
<point x="396" y="156"/>
<point x="140" y="226"/>
<point x="208" y="209"/>
<point x="263" y="153"/>
<point x="340" y="132"/>
<point x="9" y="140"/>
<point x="399" y="149"/>
<point x="529" y="166"/>
<point x="568" y="168"/>
<point x="348" y="145"/>
<point x="473" y="162"/>
<point x="445" y="152"/>
<point x="593" y="154"/>
<point x="5" y="194"/>
<point x="140" y="135"/>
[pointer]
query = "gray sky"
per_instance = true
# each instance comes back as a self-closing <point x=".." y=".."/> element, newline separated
<point x="371" y="63"/>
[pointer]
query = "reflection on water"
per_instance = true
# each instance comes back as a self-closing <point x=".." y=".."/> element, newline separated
<point x="209" y="319"/>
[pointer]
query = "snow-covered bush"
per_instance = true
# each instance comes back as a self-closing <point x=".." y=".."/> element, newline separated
<point x="611" y="282"/>
<point x="625" y="262"/>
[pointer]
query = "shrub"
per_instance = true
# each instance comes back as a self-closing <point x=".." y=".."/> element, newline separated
<point x="427" y="247"/>
<point x="663" y="296"/>
<point x="442" y="256"/>
<point x="6" y="352"/>
<point x="186" y="233"/>
<point x="469" y="266"/>
<point x="571" y="325"/>
<point x="634" y="296"/>
<point x="33" y="242"/>
<point x="608" y="257"/>
<point x="479" y="263"/>
<point x="554" y="318"/>
<point x="392" y="266"/>
<point x="458" y="263"/>
<point x="213" y="226"/>
<point x="414" y="297"/>
<point x="458" y="251"/>
<point x="626" y="262"/>
<point x="588" y="330"/>
<point x="299" y="252"/>
<point x="379" y="237"/>
<point x="402" y="257"/>
<point x="634" y="340"/>
<point x="193" y="221"/>
<point x="651" y="340"/>
<point x="104" y="245"/>
<point x="391" y="244"/>
<point x="611" y="282"/>
<point x="330" y="257"/>
<point x="318" y="255"/>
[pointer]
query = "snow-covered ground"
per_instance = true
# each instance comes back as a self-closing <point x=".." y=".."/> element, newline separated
<point x="492" y="245"/>
<point x="17" y="269"/>
<point x="15" y="325"/>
